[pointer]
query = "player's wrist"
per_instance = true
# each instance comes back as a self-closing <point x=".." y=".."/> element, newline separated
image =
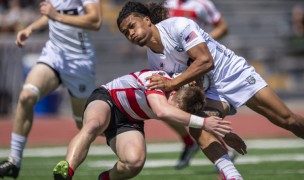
<point x="196" y="122"/>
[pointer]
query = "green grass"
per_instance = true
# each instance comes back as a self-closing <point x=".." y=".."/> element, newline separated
<point x="40" y="168"/>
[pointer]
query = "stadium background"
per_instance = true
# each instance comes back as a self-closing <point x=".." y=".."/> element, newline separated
<point x="261" y="31"/>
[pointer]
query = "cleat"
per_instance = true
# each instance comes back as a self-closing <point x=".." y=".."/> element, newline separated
<point x="8" y="169"/>
<point x="186" y="155"/>
<point x="61" y="171"/>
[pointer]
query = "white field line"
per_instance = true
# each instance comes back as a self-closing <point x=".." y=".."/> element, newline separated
<point x="204" y="162"/>
<point x="155" y="148"/>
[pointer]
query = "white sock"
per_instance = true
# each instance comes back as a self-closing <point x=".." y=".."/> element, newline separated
<point x="227" y="168"/>
<point x="17" y="146"/>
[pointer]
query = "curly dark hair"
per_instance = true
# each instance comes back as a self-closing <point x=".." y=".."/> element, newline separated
<point x="155" y="11"/>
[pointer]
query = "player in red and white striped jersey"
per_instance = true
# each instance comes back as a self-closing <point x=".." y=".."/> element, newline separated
<point x="203" y="12"/>
<point x="118" y="109"/>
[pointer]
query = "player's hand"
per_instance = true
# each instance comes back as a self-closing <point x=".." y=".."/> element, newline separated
<point x="22" y="36"/>
<point x="215" y="125"/>
<point x="47" y="9"/>
<point x="159" y="82"/>
<point x="236" y="142"/>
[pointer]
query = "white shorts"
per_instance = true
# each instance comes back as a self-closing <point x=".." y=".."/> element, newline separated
<point x="77" y="75"/>
<point x="237" y="90"/>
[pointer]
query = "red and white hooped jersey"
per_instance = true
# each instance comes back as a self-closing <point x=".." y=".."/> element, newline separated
<point x="130" y="94"/>
<point x="203" y="12"/>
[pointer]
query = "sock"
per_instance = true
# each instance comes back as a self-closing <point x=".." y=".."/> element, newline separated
<point x="17" y="146"/>
<point x="188" y="141"/>
<point x="227" y="168"/>
<point x="71" y="172"/>
<point x="105" y="176"/>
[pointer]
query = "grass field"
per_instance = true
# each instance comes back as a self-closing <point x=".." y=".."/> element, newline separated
<point x="266" y="160"/>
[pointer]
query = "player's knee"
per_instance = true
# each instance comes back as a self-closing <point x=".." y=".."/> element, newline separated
<point x="292" y="122"/>
<point x="29" y="95"/>
<point x="134" y="164"/>
<point x="92" y="128"/>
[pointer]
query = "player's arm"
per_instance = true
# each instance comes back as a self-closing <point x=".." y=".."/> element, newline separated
<point x="165" y="111"/>
<point x="202" y="63"/>
<point x="38" y="24"/>
<point x="23" y="34"/>
<point x="219" y="30"/>
<point x="92" y="18"/>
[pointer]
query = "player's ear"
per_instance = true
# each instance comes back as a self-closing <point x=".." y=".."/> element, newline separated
<point x="147" y="20"/>
<point x="172" y="93"/>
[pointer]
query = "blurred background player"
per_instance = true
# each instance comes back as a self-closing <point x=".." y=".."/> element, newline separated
<point x="68" y="58"/>
<point x="205" y="14"/>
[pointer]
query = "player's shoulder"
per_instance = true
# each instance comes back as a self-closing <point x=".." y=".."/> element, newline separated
<point x="175" y="23"/>
<point x="149" y="72"/>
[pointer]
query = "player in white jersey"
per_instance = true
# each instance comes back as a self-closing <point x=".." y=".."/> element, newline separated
<point x="119" y="108"/>
<point x="208" y="17"/>
<point x="68" y="58"/>
<point x="203" y="12"/>
<point x="180" y="45"/>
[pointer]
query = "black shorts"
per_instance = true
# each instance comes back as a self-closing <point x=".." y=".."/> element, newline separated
<point x="119" y="123"/>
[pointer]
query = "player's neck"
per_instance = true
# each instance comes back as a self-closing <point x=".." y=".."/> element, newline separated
<point x="155" y="43"/>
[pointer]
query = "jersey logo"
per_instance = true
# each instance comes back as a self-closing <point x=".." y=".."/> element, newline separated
<point x="250" y="79"/>
<point x="179" y="49"/>
<point x="191" y="36"/>
<point x="161" y="65"/>
<point x="82" y="88"/>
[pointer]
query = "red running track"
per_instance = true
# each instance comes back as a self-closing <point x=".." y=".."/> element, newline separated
<point x="54" y="130"/>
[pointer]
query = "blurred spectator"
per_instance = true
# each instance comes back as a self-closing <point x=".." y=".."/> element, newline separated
<point x="298" y="21"/>
<point x="15" y="15"/>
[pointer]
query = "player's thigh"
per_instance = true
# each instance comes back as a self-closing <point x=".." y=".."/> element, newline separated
<point x="267" y="103"/>
<point x="97" y="114"/>
<point x="129" y="146"/>
<point x="44" y="78"/>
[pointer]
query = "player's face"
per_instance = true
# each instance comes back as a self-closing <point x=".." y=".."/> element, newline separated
<point x="137" y="29"/>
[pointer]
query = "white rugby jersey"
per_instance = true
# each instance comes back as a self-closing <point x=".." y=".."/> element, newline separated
<point x="130" y="94"/>
<point x="178" y="35"/>
<point x="73" y="41"/>
<point x="202" y="12"/>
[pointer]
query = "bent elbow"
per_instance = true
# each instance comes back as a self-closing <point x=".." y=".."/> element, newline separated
<point x="162" y="114"/>
<point x="96" y="26"/>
